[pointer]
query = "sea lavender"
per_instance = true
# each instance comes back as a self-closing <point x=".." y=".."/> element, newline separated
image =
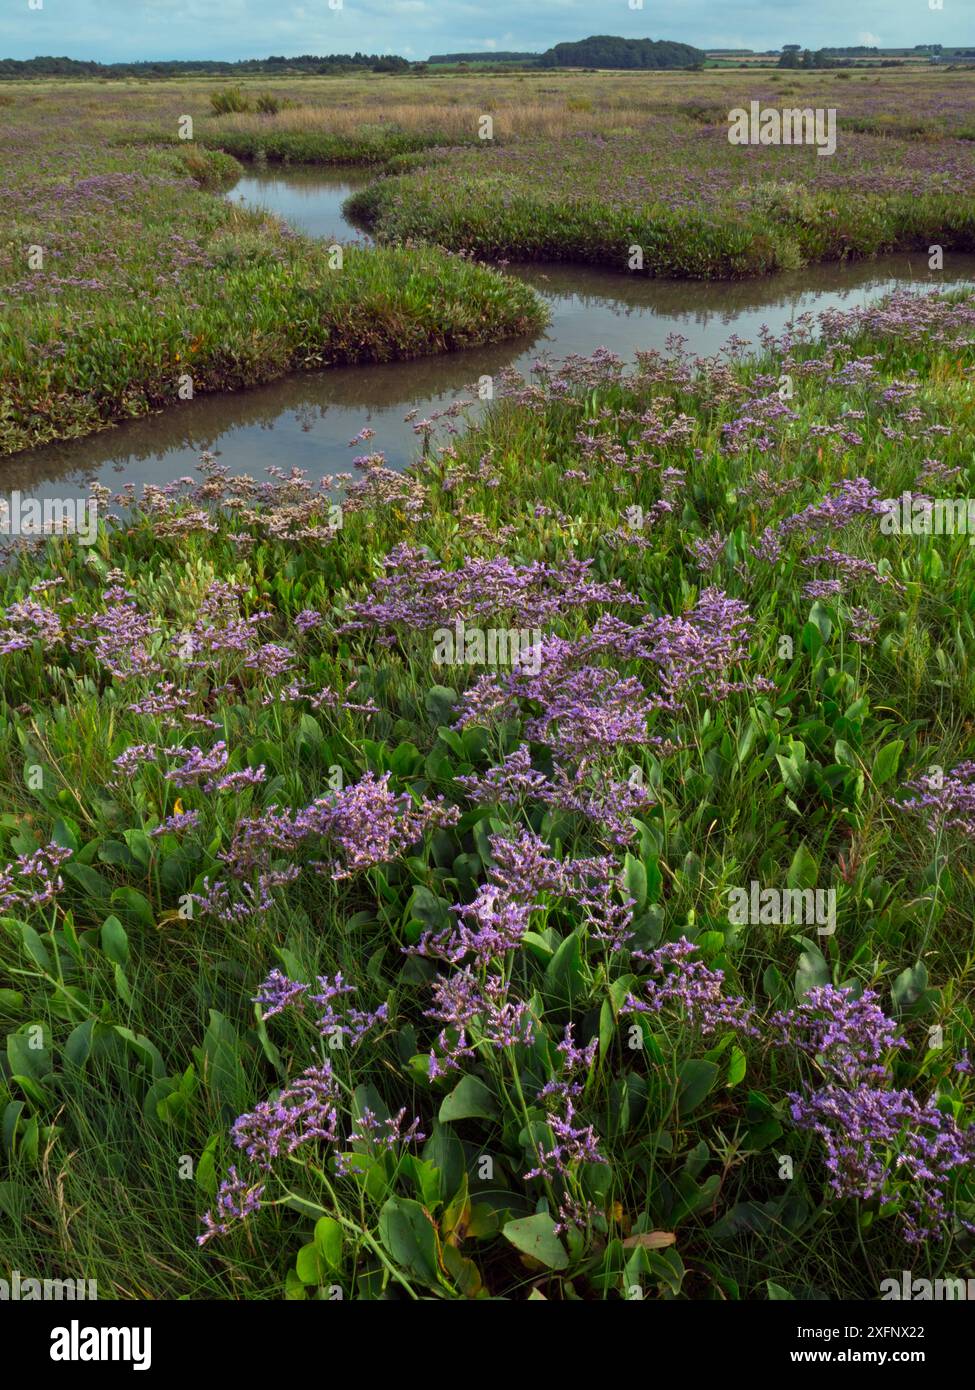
<point x="693" y="987"/>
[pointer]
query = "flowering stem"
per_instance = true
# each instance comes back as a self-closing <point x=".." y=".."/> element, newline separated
<point x="528" y="1124"/>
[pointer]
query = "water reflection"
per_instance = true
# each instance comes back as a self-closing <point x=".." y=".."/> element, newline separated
<point x="309" y="199"/>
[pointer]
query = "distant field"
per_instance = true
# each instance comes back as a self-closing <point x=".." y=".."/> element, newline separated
<point x="639" y="161"/>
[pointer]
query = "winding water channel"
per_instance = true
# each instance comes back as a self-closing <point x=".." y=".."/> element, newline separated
<point x="307" y="420"/>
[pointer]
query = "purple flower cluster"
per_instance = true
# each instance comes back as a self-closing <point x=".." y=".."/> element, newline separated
<point x="946" y="800"/>
<point x="362" y="825"/>
<point x="176" y="824"/>
<point x="237" y="1199"/>
<point x="880" y="1143"/>
<point x="278" y="993"/>
<point x="305" y="1111"/>
<point x="691" y="986"/>
<point x="28" y="621"/>
<point x="588" y="791"/>
<point x="584" y="708"/>
<point x="119" y="636"/>
<point x="481" y="1008"/>
<point x="34" y="880"/>
<point x="416" y="593"/>
<point x="887" y="1145"/>
<point x="523" y="878"/>
<point x="848" y="1034"/>
<point x="573" y="1144"/>
<point x="376" y="1136"/>
<point x="849" y="500"/>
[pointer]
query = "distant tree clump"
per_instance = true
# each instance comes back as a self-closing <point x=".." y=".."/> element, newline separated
<point x="605" y="51"/>
<point x="794" y="57"/>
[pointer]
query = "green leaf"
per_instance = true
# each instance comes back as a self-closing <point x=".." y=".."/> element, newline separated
<point x="221" y="1064"/>
<point x="607" y="1027"/>
<point x="535" y="1236"/>
<point x="26" y="1058"/>
<point x="328" y="1242"/>
<point x="78" y="1045"/>
<point x="429" y="910"/>
<point x="146" y="1051"/>
<point x="93" y="883"/>
<point x="139" y="845"/>
<point x="206" y="1170"/>
<point x="761" y="1135"/>
<point x="470" y="1099"/>
<point x="65" y="834"/>
<point x="122" y="985"/>
<point x="11" y="1001"/>
<point x="667" y="1267"/>
<point x="453" y="740"/>
<point x="115" y="853"/>
<point x="811" y="639"/>
<point x="308" y="1265"/>
<point x="445" y="1151"/>
<point x="409" y="1237"/>
<point x="820" y="615"/>
<point x="737" y="1066"/>
<point x="311" y="729"/>
<point x="133" y="905"/>
<point x="803" y="870"/>
<point x="563" y="974"/>
<point x="886" y="762"/>
<point x="635" y="881"/>
<point x="695" y="1079"/>
<point x="425" y="1177"/>
<point x="115" y="943"/>
<point x="844" y="754"/>
<point x="812" y="969"/>
<point x="909" y="985"/>
<point x="404" y="759"/>
<point x="777" y="1293"/>
<point x="439" y="703"/>
<point x="655" y="878"/>
<point x="792" y="775"/>
<point x="35" y="947"/>
<point x="8" y="1125"/>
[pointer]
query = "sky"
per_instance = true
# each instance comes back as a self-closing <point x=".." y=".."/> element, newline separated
<point x="128" y="30"/>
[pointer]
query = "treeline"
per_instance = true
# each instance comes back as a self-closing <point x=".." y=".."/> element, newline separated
<point x="600" y="51"/>
<point x="307" y="63"/>
<point x="605" y="51"/>
<point x="526" y="58"/>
